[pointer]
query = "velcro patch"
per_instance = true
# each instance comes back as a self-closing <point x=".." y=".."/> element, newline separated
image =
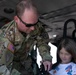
<point x="11" y="47"/>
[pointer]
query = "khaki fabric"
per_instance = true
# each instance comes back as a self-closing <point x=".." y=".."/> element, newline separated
<point x="16" y="46"/>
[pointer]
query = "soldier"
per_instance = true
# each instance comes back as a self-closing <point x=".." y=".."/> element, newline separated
<point x="17" y="40"/>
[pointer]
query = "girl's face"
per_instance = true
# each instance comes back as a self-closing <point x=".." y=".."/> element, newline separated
<point x="65" y="56"/>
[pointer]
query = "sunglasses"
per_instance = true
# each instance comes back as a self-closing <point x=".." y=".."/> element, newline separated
<point x="27" y="25"/>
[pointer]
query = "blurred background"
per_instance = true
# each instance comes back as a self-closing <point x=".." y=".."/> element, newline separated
<point x="53" y="13"/>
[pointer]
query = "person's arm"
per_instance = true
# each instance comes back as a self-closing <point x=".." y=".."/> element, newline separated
<point x="74" y="69"/>
<point x="6" y="57"/>
<point x="44" y="48"/>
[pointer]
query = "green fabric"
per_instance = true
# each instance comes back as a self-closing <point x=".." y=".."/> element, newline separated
<point x="15" y="72"/>
<point x="23" y="44"/>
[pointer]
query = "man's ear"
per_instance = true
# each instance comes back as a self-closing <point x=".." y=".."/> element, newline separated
<point x="16" y="19"/>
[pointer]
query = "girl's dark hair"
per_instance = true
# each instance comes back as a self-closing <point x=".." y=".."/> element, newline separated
<point x="70" y="47"/>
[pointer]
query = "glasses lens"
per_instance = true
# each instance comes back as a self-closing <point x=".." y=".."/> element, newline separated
<point x="27" y="25"/>
<point x="30" y="25"/>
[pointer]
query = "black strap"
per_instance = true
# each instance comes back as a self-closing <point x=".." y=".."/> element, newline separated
<point x="65" y="26"/>
<point x="74" y="35"/>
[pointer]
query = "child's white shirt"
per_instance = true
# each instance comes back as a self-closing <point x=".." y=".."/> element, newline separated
<point x="64" y="69"/>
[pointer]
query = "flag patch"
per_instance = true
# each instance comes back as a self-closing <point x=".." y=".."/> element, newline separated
<point x="11" y="47"/>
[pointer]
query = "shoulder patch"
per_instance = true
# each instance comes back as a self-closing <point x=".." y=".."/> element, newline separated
<point x="11" y="47"/>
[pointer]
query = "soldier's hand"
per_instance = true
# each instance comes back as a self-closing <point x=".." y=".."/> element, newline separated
<point x="47" y="65"/>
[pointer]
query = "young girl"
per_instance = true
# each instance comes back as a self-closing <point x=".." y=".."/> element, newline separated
<point x="66" y="58"/>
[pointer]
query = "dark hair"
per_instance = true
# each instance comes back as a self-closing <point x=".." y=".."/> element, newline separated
<point x="24" y="4"/>
<point x="70" y="47"/>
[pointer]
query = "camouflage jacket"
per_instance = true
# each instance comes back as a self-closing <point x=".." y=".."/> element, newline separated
<point x="16" y="45"/>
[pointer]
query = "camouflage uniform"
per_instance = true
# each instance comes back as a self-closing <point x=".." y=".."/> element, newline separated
<point x="16" y="47"/>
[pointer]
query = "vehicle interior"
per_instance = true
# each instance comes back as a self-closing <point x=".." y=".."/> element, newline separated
<point x="58" y="17"/>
